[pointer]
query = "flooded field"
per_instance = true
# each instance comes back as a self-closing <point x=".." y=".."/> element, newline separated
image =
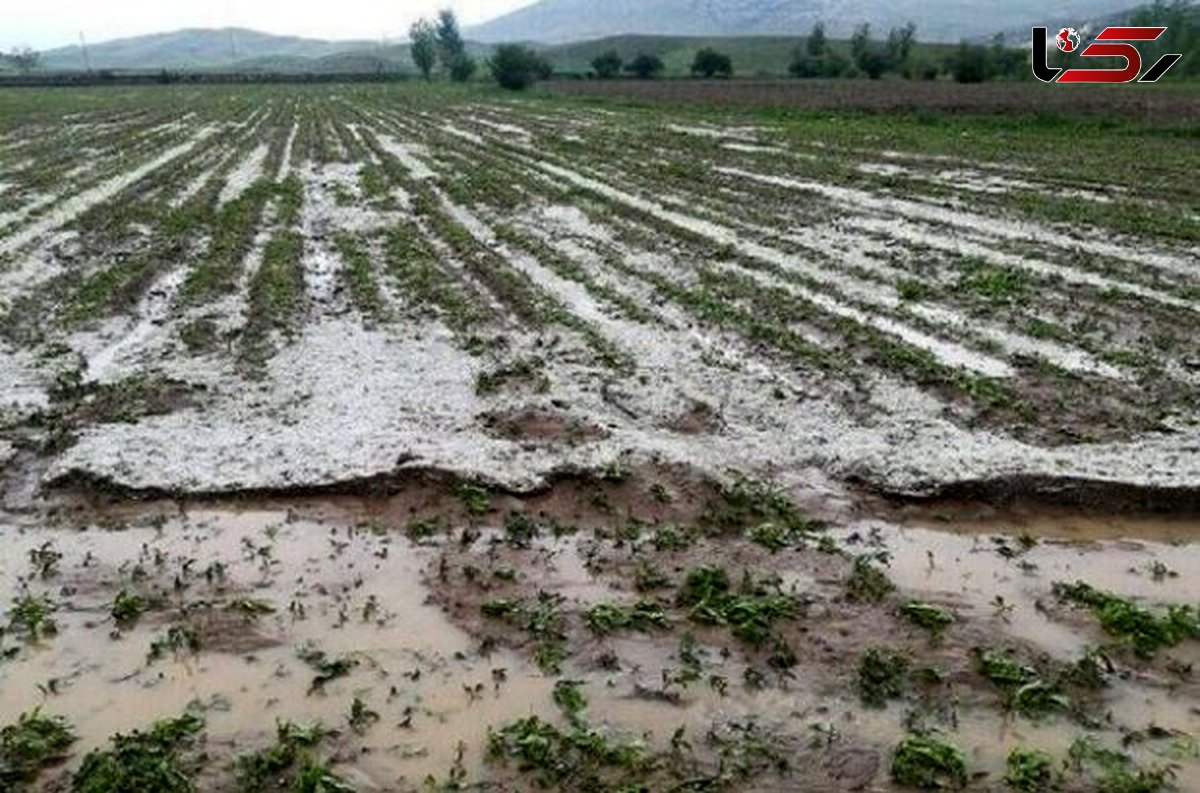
<point x="386" y="439"/>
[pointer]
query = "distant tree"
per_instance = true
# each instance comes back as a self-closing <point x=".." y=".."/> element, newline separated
<point x="831" y="64"/>
<point x="1182" y="20"/>
<point x="24" y="60"/>
<point x="817" y="44"/>
<point x="970" y="63"/>
<point x="900" y="43"/>
<point x="516" y="67"/>
<point x="710" y="63"/>
<point x="607" y="65"/>
<point x="646" y="66"/>
<point x="875" y="62"/>
<point x="803" y="64"/>
<point x="450" y="43"/>
<point x="816" y="58"/>
<point x="452" y="50"/>
<point x="921" y="68"/>
<point x="860" y="41"/>
<point x="463" y="69"/>
<point x="424" y="45"/>
<point x="1005" y="61"/>
<point x="871" y="58"/>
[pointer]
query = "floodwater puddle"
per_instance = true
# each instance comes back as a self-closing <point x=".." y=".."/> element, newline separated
<point x="237" y="600"/>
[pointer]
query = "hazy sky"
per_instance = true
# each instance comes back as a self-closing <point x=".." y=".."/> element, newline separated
<point x="43" y="24"/>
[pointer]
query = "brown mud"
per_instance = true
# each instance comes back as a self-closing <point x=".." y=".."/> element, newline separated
<point x="407" y="587"/>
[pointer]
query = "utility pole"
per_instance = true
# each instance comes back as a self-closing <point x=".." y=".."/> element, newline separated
<point x="87" y="59"/>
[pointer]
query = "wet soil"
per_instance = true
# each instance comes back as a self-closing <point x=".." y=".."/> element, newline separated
<point x="405" y="587"/>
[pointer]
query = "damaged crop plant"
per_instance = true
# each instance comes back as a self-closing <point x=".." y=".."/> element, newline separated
<point x="423" y="436"/>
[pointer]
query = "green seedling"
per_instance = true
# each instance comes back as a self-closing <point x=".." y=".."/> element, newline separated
<point x="157" y="760"/>
<point x="994" y="284"/>
<point x="520" y="530"/>
<point x="179" y="639"/>
<point x="866" y="582"/>
<point x="926" y="615"/>
<point x="1038" y="698"/>
<point x="580" y="758"/>
<point x="749" y="614"/>
<point x="127" y="607"/>
<point x="1115" y="772"/>
<point x="361" y="716"/>
<point x="774" y="537"/>
<point x="30" y="617"/>
<point x="747" y="503"/>
<point x="275" y="768"/>
<point x="1002" y="670"/>
<point x="1028" y="694"/>
<point x="34" y="743"/>
<point x="421" y="530"/>
<point x="643" y="616"/>
<point x="568" y="695"/>
<point x="327" y="669"/>
<point x="929" y="764"/>
<point x="1030" y="771"/>
<point x="648" y="577"/>
<point x="882" y="674"/>
<point x="542" y="620"/>
<point x="1145" y="631"/>
<point x="315" y="776"/>
<point x="670" y="538"/>
<point x="476" y="499"/>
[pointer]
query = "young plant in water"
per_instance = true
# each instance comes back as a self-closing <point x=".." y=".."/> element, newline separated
<point x="1145" y="631"/>
<point x="882" y="675"/>
<point x="866" y="582"/>
<point x="31" y="617"/>
<point x="158" y="759"/>
<point x="929" y="764"/>
<point x="926" y="615"/>
<point x="1030" y="771"/>
<point x="32" y="744"/>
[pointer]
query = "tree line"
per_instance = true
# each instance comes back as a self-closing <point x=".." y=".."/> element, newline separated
<point x="23" y="60"/>
<point x="865" y="56"/>
<point x="437" y="45"/>
<point x="439" y="42"/>
<point x="898" y="53"/>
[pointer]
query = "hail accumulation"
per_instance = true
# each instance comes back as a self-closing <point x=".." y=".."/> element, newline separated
<point x="349" y="283"/>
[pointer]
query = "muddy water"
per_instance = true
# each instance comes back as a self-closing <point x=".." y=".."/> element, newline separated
<point x="1053" y="522"/>
<point x="972" y="570"/>
<point x="356" y="587"/>
<point x="410" y="659"/>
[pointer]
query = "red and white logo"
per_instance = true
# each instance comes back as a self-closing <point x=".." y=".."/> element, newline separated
<point x="1112" y="42"/>
<point x="1067" y="39"/>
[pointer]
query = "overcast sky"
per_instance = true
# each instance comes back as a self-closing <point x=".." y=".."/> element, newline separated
<point x="44" y="24"/>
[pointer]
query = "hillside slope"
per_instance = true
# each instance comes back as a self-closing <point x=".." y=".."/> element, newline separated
<point x="765" y="56"/>
<point x="559" y="21"/>
<point x="197" y="48"/>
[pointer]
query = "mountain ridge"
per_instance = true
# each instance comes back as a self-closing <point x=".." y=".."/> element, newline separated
<point x="563" y="21"/>
<point x="731" y="20"/>
<point x="197" y="48"/>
